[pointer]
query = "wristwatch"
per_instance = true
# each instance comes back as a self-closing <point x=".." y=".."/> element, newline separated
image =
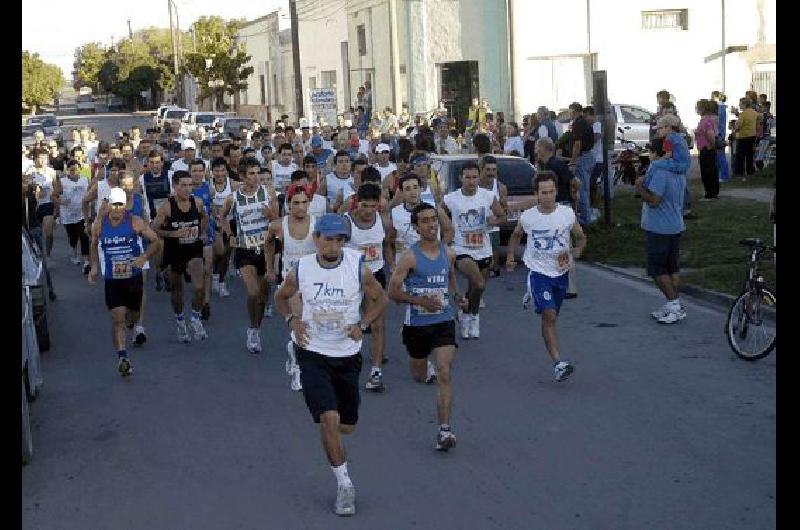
<point x="363" y="327"/>
<point x="289" y="319"/>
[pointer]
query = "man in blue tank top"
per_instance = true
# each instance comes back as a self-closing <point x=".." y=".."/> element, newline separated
<point x="116" y="252"/>
<point x="425" y="279"/>
<point x="201" y="190"/>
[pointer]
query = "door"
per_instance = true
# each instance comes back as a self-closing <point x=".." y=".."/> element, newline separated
<point x="460" y="84"/>
<point x="635" y="121"/>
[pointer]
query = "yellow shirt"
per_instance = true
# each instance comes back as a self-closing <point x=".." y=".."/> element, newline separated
<point x="747" y="124"/>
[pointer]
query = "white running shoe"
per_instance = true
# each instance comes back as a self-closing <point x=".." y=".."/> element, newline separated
<point x="483" y="304"/>
<point x="296" y="385"/>
<point x="223" y="291"/>
<point x="75" y="259"/>
<point x="291" y="361"/>
<point x="431" y="377"/>
<point x="475" y="327"/>
<point x="139" y="335"/>
<point x="562" y="370"/>
<point x="672" y="316"/>
<point x="198" y="330"/>
<point x="661" y="312"/>
<point x="466" y="325"/>
<point x="526" y="301"/>
<point x="183" y="333"/>
<point x="253" y="340"/>
<point x="215" y="284"/>
<point x="345" y="500"/>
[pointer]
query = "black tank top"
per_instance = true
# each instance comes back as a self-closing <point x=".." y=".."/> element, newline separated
<point x="179" y="219"/>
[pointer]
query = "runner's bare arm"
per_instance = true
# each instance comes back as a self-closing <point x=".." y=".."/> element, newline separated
<point x="457" y="297"/>
<point x="580" y="240"/>
<point x="374" y="296"/>
<point x="158" y="223"/>
<point x="513" y="242"/>
<point x="448" y="233"/>
<point x="287" y="290"/>
<point x="275" y="227"/>
<point x="401" y="271"/>
<point x="203" y="216"/>
<point x="144" y="230"/>
<point x="55" y="195"/>
<point x="499" y="213"/>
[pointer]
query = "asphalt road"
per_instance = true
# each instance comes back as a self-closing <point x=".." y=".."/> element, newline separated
<point x="659" y="427"/>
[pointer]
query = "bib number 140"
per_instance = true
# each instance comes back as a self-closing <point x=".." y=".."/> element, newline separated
<point x="473" y="239"/>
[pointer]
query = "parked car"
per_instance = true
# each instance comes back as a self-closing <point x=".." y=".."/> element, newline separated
<point x="85" y="103"/>
<point x="116" y="103"/>
<point x="202" y="119"/>
<point x="231" y="124"/>
<point x="32" y="280"/>
<point x="50" y="125"/>
<point x="515" y="172"/>
<point x="28" y="134"/>
<point x="173" y="118"/>
<point x="158" y="115"/>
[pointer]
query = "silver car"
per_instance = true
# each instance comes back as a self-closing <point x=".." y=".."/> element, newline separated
<point x="50" y="125"/>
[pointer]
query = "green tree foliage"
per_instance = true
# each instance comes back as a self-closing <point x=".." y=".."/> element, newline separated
<point x="41" y="81"/>
<point x="215" y="39"/>
<point x="89" y="60"/>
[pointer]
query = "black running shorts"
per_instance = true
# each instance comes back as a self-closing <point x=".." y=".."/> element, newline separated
<point x="330" y="383"/>
<point x="178" y="256"/>
<point x="420" y="341"/>
<point x="125" y="293"/>
<point x="482" y="264"/>
<point x="244" y="257"/>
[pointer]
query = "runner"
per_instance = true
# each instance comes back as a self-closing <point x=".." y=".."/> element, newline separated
<point x="340" y="179"/>
<point x="182" y="222"/>
<point x="294" y="231"/>
<point x="317" y="205"/>
<point x="222" y="187"/>
<point x="489" y="181"/>
<point x="327" y="335"/>
<point x="202" y="191"/>
<point x="251" y="211"/>
<point x="469" y="207"/>
<point x="425" y="279"/>
<point x="368" y="236"/>
<point x="68" y="194"/>
<point x="548" y="257"/>
<point x="43" y="175"/>
<point x="383" y="165"/>
<point x="156" y="186"/>
<point x="117" y="253"/>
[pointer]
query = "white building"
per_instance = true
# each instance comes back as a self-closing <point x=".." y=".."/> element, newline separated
<point x="324" y="56"/>
<point x="270" y="88"/>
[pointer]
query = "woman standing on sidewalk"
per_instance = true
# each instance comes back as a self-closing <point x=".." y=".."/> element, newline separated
<point x="705" y="135"/>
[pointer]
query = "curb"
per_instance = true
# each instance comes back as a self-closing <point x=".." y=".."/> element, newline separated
<point x="707" y="295"/>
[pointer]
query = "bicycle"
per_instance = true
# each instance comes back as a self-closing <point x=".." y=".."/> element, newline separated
<point x="752" y="315"/>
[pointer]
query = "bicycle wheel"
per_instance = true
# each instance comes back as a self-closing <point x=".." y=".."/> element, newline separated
<point x="751" y="326"/>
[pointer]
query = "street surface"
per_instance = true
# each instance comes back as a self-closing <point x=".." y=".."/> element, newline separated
<point x="659" y="426"/>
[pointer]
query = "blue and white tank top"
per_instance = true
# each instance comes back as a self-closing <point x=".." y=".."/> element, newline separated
<point x="430" y="277"/>
<point x="119" y="246"/>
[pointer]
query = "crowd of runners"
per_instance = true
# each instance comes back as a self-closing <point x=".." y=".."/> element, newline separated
<point x="321" y="239"/>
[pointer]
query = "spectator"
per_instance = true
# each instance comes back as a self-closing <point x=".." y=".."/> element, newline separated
<point x="705" y="137"/>
<point x="662" y="195"/>
<point x="722" y="114"/>
<point x="677" y="158"/>
<point x="582" y="159"/>
<point x="513" y="139"/>
<point x="597" y="148"/>
<point x="745" y="139"/>
<point x="763" y="145"/>
<point x="476" y="114"/>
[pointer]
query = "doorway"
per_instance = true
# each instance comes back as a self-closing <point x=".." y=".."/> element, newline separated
<point x="459" y="85"/>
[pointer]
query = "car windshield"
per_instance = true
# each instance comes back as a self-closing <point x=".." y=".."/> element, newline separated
<point x="44" y="121"/>
<point x="28" y="130"/>
<point x="176" y="114"/>
<point x="205" y="118"/>
<point x="515" y="173"/>
<point x="233" y="125"/>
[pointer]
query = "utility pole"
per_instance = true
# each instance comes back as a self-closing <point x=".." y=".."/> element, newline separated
<point x="298" y="75"/>
<point x="395" y="53"/>
<point x="130" y="31"/>
<point x="174" y="49"/>
<point x="723" y="46"/>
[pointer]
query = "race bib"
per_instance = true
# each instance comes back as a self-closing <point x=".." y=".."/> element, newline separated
<point x="191" y="238"/>
<point x="473" y="239"/>
<point x="438" y="295"/>
<point x="254" y="241"/>
<point x="121" y="269"/>
<point x="372" y="253"/>
<point x="328" y="322"/>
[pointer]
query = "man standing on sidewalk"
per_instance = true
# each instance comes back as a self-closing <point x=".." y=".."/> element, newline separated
<point x="327" y="334"/>
<point x="662" y="220"/>
<point x="582" y="160"/>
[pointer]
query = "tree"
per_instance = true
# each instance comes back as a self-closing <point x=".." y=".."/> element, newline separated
<point x="41" y="81"/>
<point x="216" y="40"/>
<point x="89" y="60"/>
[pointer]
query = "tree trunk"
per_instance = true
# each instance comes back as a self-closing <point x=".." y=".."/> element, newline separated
<point x="33" y="110"/>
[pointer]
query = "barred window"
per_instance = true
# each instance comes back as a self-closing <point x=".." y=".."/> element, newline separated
<point x="666" y="19"/>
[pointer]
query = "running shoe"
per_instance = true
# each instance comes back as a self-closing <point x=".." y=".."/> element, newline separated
<point x="253" y="340"/>
<point x="291" y="362"/>
<point x="375" y="382"/>
<point x="205" y="313"/>
<point x="75" y="259"/>
<point x="345" y="500"/>
<point x="431" y="377"/>
<point x="159" y="281"/>
<point x="475" y="327"/>
<point x="482" y="304"/>
<point x="198" y="330"/>
<point x="466" y="325"/>
<point x="223" y="291"/>
<point x="183" y="333"/>
<point x="526" y="301"/>
<point x="445" y="440"/>
<point x="215" y="284"/>
<point x="139" y="335"/>
<point x="562" y="370"/>
<point x="672" y="316"/>
<point x="296" y="384"/>
<point x="268" y="311"/>
<point x="124" y="367"/>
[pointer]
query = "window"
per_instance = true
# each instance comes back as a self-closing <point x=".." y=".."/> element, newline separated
<point x="275" y="100"/>
<point x="666" y="19"/>
<point x="263" y="90"/>
<point x="328" y="79"/>
<point x="634" y="114"/>
<point x="312" y="82"/>
<point x="362" y="39"/>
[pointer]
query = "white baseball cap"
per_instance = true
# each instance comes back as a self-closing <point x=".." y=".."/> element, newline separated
<point x="189" y="144"/>
<point x="382" y="148"/>
<point x="117" y="196"/>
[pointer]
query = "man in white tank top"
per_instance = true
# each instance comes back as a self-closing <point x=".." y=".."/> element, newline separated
<point x="283" y="167"/>
<point x="368" y="236"/>
<point x="489" y="181"/>
<point x="327" y="335"/>
<point x="470" y="208"/>
<point x="294" y="230"/>
<point x="548" y="257"/>
<point x="221" y="188"/>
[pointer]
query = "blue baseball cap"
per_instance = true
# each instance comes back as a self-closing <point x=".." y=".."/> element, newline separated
<point x="332" y="224"/>
<point x="316" y="141"/>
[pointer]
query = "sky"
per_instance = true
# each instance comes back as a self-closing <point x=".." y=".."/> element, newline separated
<point x="54" y="29"/>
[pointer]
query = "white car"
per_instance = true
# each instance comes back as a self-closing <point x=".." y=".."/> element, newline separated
<point x="194" y="120"/>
